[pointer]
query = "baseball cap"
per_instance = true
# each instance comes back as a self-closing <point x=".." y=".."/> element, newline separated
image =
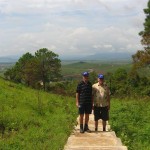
<point x="101" y="76"/>
<point x="85" y="74"/>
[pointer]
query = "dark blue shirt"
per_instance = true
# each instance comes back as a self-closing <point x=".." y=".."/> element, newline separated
<point x="85" y="92"/>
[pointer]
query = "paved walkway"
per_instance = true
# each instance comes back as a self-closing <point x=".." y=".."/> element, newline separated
<point x="95" y="140"/>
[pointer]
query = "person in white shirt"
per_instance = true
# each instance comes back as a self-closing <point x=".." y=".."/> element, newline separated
<point x="101" y="99"/>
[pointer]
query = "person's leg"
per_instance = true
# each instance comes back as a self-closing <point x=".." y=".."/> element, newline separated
<point x="104" y="125"/>
<point x="81" y="118"/>
<point x="86" y="118"/>
<point x="88" y="110"/>
<point x="96" y="125"/>
<point x="81" y="112"/>
<point x="81" y="123"/>
<point x="86" y="128"/>
<point x="105" y="117"/>
<point x="96" y="116"/>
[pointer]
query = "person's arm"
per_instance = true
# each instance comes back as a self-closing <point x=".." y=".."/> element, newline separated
<point x="92" y="102"/>
<point x="108" y="98"/>
<point x="93" y="92"/>
<point x="77" y="99"/>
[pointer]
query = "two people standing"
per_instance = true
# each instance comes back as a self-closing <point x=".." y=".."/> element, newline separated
<point x="90" y="97"/>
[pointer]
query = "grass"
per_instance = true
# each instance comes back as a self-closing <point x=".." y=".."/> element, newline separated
<point x="129" y="118"/>
<point x="39" y="120"/>
<point x="34" y="119"/>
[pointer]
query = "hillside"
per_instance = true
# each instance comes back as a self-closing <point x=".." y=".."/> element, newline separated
<point x="80" y="66"/>
<point x="32" y="119"/>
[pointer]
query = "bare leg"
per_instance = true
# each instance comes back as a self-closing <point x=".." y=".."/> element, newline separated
<point x="81" y="118"/>
<point x="86" y="118"/>
<point x="96" y="125"/>
<point x="86" y="128"/>
<point x="104" y="125"/>
<point x="81" y="123"/>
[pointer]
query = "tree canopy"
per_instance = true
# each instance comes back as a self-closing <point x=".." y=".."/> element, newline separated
<point x="142" y="57"/>
<point x="43" y="67"/>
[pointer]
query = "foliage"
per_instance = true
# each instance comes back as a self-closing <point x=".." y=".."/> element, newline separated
<point x="49" y="65"/>
<point x="16" y="73"/>
<point x="44" y="66"/>
<point x="93" y="77"/>
<point x="32" y="119"/>
<point x="125" y="84"/>
<point x="129" y="118"/>
<point x="74" y="70"/>
<point x="122" y="83"/>
<point x="121" y="80"/>
<point x="31" y="72"/>
<point x="142" y="57"/>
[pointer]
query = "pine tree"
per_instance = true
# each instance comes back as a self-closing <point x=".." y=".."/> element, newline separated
<point x="142" y="57"/>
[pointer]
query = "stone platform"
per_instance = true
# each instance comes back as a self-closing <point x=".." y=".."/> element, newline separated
<point x="95" y="140"/>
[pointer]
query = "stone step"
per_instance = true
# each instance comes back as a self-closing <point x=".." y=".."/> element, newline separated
<point x="95" y="140"/>
<point x="94" y="134"/>
<point x="92" y="127"/>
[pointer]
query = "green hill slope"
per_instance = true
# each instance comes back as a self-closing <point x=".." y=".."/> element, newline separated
<point x="78" y="67"/>
<point x="32" y="119"/>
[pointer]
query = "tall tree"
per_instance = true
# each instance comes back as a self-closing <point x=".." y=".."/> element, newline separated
<point x="43" y="67"/>
<point x="142" y="57"/>
<point x="49" y="65"/>
<point x="16" y="73"/>
<point x="32" y="72"/>
<point x="21" y="65"/>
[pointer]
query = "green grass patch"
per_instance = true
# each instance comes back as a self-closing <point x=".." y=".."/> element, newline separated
<point x="129" y="118"/>
<point x="32" y="119"/>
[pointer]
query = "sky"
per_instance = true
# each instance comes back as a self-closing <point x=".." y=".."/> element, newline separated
<point x="71" y="27"/>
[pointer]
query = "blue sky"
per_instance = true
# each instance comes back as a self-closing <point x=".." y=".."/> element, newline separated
<point x="71" y="27"/>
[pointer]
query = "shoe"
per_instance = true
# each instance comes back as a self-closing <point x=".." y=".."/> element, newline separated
<point x="81" y="128"/>
<point x="86" y="129"/>
<point x="81" y="131"/>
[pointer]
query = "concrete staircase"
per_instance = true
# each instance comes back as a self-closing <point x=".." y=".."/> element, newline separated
<point x="95" y="140"/>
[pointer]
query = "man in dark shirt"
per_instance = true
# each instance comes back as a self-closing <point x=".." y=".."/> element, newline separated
<point x="84" y="101"/>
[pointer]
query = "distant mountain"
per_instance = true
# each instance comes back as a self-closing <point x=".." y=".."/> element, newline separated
<point x="109" y="56"/>
<point x="71" y="57"/>
<point x="8" y="59"/>
<point x="112" y="56"/>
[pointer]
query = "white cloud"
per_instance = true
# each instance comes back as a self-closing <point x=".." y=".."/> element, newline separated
<point x="107" y="46"/>
<point x="70" y="26"/>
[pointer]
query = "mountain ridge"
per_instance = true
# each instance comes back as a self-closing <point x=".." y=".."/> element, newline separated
<point x="105" y="56"/>
<point x="100" y="56"/>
